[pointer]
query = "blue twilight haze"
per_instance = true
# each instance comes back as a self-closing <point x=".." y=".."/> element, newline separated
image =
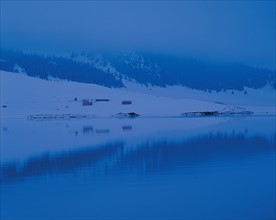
<point x="137" y="109"/>
<point x="242" y="31"/>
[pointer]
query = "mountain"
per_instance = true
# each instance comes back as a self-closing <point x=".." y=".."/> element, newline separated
<point x="45" y="67"/>
<point x="149" y="69"/>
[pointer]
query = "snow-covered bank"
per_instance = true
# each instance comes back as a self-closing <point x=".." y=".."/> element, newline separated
<point x="23" y="96"/>
<point x="250" y="97"/>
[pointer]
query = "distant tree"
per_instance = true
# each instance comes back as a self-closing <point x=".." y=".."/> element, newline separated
<point x="158" y="70"/>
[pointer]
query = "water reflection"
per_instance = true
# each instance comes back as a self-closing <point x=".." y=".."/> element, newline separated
<point x="46" y="164"/>
<point x="87" y="129"/>
<point x="146" y="157"/>
<point x="160" y="156"/>
<point x="102" y="131"/>
<point x="138" y="169"/>
<point x="127" y="128"/>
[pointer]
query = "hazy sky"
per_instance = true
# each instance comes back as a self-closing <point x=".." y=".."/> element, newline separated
<point x="241" y="31"/>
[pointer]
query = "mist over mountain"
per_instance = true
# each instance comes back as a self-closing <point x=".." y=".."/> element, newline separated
<point x="44" y="67"/>
<point x="113" y="69"/>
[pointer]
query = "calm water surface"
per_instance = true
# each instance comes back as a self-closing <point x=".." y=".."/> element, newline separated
<point x="162" y="168"/>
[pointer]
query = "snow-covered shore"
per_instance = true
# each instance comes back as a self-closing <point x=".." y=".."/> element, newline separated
<point x="47" y="111"/>
<point x="23" y="96"/>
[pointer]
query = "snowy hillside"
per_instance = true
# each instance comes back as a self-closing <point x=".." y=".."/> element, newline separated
<point x="265" y="96"/>
<point x="23" y="96"/>
<point x="116" y="70"/>
<point x="161" y="70"/>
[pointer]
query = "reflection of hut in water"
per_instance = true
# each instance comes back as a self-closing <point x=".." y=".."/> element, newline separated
<point x="126" y="102"/>
<point x="102" y="131"/>
<point x="126" y="127"/>
<point x="87" y="129"/>
<point x="87" y="102"/>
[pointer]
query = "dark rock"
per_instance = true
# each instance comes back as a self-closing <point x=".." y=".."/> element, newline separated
<point x="133" y="114"/>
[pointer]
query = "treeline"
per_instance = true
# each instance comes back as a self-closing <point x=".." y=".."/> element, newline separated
<point x="145" y="68"/>
<point x="43" y="66"/>
<point x="162" y="70"/>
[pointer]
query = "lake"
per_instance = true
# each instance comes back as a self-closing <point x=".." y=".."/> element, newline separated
<point x="142" y="168"/>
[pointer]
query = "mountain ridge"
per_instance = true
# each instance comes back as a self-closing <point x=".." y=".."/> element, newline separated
<point x="112" y="69"/>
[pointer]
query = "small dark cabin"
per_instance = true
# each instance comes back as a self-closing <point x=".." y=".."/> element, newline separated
<point x="87" y="102"/>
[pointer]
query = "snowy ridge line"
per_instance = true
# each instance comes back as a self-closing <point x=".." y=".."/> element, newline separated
<point x="115" y="70"/>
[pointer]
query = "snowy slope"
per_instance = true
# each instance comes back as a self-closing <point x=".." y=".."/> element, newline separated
<point x="116" y="70"/>
<point x="22" y="96"/>
<point x="265" y="96"/>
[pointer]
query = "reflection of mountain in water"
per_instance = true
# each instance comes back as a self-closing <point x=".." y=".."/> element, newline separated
<point x="154" y="157"/>
<point x="162" y="156"/>
<point x="67" y="162"/>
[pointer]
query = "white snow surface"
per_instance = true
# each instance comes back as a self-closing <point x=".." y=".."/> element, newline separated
<point x="253" y="97"/>
<point x="23" y="96"/>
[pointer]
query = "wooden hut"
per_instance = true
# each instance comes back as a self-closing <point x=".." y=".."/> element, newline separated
<point x="87" y="102"/>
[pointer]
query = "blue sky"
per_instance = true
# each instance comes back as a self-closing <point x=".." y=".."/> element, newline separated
<point x="242" y="31"/>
